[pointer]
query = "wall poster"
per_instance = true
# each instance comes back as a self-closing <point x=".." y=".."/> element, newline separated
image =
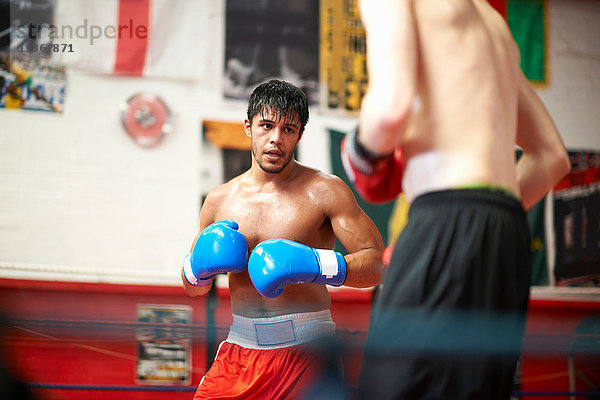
<point x="163" y="344"/>
<point x="577" y="222"/>
<point x="271" y="39"/>
<point x="343" y="59"/>
<point x="31" y="83"/>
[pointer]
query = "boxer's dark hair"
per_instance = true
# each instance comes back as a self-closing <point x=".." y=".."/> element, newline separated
<point x="281" y="98"/>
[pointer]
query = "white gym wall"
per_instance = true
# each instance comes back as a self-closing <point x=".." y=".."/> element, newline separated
<point x="79" y="200"/>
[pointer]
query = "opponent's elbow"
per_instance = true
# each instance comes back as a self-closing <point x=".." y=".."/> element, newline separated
<point x="394" y="117"/>
<point x="386" y="119"/>
<point x="562" y="165"/>
<point x="557" y="165"/>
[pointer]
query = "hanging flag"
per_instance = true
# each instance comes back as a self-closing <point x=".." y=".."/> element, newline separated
<point x="526" y="20"/>
<point x="499" y="5"/>
<point x="154" y="38"/>
<point x="537" y="229"/>
<point x="132" y="45"/>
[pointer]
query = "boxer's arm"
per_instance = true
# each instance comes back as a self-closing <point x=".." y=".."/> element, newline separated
<point x="207" y="215"/>
<point x="357" y="233"/>
<point x="544" y="161"/>
<point x="376" y="181"/>
<point x="192" y="290"/>
<point x="275" y="263"/>
<point x="391" y="64"/>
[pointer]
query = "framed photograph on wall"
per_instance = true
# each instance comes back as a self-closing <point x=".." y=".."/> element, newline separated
<point x="271" y="39"/>
<point x="26" y="27"/>
<point x="163" y="344"/>
<point x="31" y="83"/>
<point x="577" y="222"/>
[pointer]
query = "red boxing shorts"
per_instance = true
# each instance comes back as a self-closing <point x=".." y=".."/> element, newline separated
<point x="270" y="358"/>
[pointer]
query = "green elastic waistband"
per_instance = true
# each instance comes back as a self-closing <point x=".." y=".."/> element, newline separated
<point x="491" y="187"/>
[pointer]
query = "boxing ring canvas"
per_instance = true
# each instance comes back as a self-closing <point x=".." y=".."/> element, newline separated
<point x="66" y="346"/>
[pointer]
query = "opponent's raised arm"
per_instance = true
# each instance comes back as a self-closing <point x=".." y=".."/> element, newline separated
<point x="544" y="161"/>
<point x="376" y="180"/>
<point x="392" y="64"/>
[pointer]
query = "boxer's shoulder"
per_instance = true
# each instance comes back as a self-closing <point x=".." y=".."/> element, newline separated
<point x="328" y="190"/>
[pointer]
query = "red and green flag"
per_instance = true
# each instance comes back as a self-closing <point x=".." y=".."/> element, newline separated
<point x="527" y="24"/>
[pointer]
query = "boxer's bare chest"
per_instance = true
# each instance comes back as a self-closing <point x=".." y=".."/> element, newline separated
<point x="291" y="214"/>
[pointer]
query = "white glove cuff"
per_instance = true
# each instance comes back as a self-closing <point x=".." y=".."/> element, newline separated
<point x="189" y="275"/>
<point x="329" y="263"/>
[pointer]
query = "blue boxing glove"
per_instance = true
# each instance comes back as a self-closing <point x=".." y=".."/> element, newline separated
<point x="219" y="248"/>
<point x="275" y="263"/>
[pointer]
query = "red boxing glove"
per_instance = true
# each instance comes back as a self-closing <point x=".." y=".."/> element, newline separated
<point x="377" y="179"/>
<point x="387" y="254"/>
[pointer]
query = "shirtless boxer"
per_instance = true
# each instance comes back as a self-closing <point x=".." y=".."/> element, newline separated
<point x="446" y="105"/>
<point x="272" y="229"/>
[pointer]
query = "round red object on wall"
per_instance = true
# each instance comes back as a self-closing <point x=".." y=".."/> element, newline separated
<point x="146" y="118"/>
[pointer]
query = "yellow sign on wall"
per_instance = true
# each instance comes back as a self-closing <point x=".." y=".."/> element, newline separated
<point x="343" y="65"/>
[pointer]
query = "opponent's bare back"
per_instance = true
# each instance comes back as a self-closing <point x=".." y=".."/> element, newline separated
<point x="463" y="131"/>
<point x="445" y="84"/>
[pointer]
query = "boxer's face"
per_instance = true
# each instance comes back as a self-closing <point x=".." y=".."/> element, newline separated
<point x="274" y="139"/>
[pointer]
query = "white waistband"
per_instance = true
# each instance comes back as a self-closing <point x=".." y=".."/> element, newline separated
<point x="280" y="331"/>
<point x="433" y="171"/>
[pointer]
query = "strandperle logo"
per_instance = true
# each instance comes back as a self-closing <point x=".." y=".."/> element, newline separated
<point x="82" y="31"/>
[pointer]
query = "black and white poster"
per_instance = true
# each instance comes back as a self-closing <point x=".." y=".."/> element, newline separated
<point x="271" y="39"/>
<point x="26" y="26"/>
